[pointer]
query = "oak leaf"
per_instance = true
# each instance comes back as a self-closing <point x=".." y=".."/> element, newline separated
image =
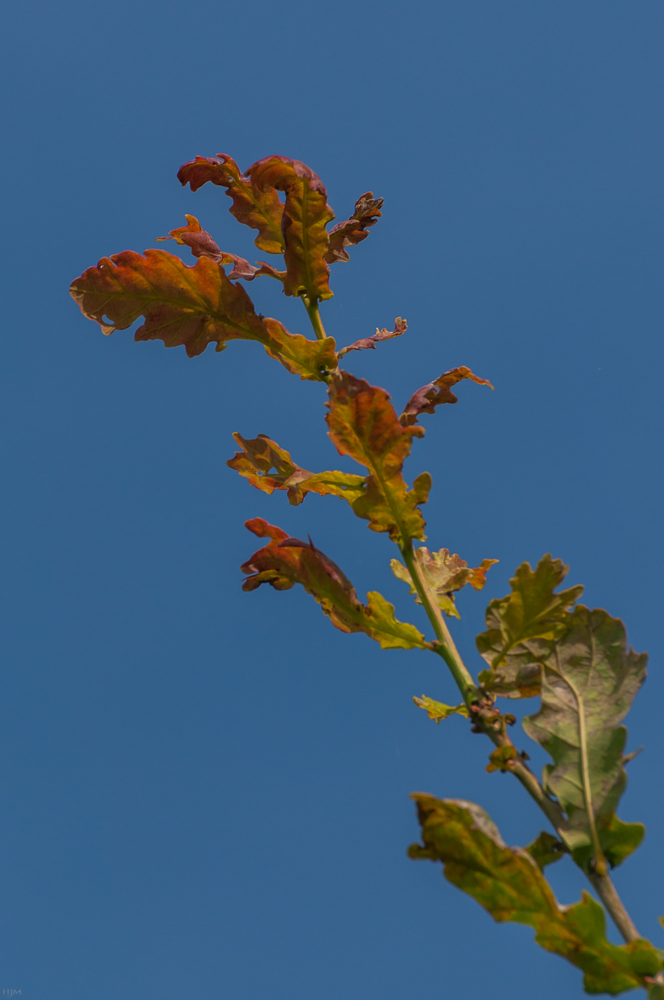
<point x="285" y="561"/>
<point x="433" y="394"/>
<point x="362" y="423"/>
<point x="305" y="216"/>
<point x="533" y="610"/>
<point x="354" y="230"/>
<point x="190" y="306"/>
<point x="443" y="574"/>
<point x="369" y="343"/>
<point x="258" y="209"/>
<point x="438" y="711"/>
<point x="202" y="244"/>
<point x="589" y="680"/>
<point x="508" y="883"/>
<point x="269" y="467"/>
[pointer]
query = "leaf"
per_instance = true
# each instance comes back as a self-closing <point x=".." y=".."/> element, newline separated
<point x="501" y="759"/>
<point x="589" y="681"/>
<point x="305" y="216"/>
<point x="260" y="455"/>
<point x="354" y="230"/>
<point x="261" y="210"/>
<point x="202" y="244"/>
<point x="532" y="611"/>
<point x="190" y="306"/>
<point x="369" y="343"/>
<point x="431" y="395"/>
<point x="545" y="850"/>
<point x="285" y="561"/>
<point x="443" y="575"/>
<point x="362" y="423"/>
<point x="509" y="885"/>
<point x="437" y="711"/>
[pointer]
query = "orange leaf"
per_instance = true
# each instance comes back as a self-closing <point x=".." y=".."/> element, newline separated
<point x="354" y="230"/>
<point x="285" y="561"/>
<point x="431" y="395"/>
<point x="190" y="306"/>
<point x="306" y="214"/>
<point x="259" y="210"/>
<point x="363" y="424"/>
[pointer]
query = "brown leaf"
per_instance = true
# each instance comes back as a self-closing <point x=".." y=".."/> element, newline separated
<point x="261" y="455"/>
<point x="259" y="210"/>
<point x="369" y="343"/>
<point x="305" y="216"/>
<point x="363" y="424"/>
<point x="202" y="244"/>
<point x="190" y="306"/>
<point x="285" y="561"/>
<point x="354" y="230"/>
<point x="426" y="399"/>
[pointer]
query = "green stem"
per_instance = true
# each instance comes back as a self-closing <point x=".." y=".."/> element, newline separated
<point x="314" y="315"/>
<point x="446" y="648"/>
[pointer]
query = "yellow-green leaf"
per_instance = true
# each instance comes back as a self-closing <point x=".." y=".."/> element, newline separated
<point x="437" y="711"/>
<point x="508" y="883"/>
<point x="444" y="574"/>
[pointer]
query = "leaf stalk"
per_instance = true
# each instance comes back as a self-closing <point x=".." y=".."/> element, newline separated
<point x="311" y="305"/>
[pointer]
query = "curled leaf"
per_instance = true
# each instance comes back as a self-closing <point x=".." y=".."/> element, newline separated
<point x="437" y="711"/>
<point x="258" y="209"/>
<point x="285" y="561"/>
<point x="532" y="611"/>
<point x="362" y="423"/>
<point x="191" y="307"/>
<point x="444" y="574"/>
<point x="269" y="467"/>
<point x="305" y="216"/>
<point x="369" y="343"/>
<point x="202" y="244"/>
<point x="354" y="230"/>
<point x="431" y="395"/>
<point x="510" y="886"/>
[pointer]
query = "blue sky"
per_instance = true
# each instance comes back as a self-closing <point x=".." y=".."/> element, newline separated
<point x="205" y="792"/>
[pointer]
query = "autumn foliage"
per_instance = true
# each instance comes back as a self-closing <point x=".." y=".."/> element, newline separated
<point x="539" y="642"/>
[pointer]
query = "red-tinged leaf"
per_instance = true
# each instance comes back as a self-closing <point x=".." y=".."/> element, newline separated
<point x="259" y="210"/>
<point x="363" y="424"/>
<point x="190" y="306"/>
<point x="369" y="343"/>
<point x="285" y="561"/>
<point x="260" y="456"/>
<point x="426" y="399"/>
<point x="306" y="214"/>
<point x="202" y="244"/>
<point x="354" y="230"/>
<point x="443" y="574"/>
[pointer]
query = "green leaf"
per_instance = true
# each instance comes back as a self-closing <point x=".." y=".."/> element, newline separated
<point x="532" y="611"/>
<point x="510" y="886"/>
<point x="437" y="711"/>
<point x="285" y="561"/>
<point x="444" y="574"/>
<point x="545" y="850"/>
<point x="589" y="681"/>
<point x="363" y="424"/>
<point x="191" y="307"/>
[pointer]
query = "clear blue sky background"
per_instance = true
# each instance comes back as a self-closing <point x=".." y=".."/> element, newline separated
<point x="204" y="792"/>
